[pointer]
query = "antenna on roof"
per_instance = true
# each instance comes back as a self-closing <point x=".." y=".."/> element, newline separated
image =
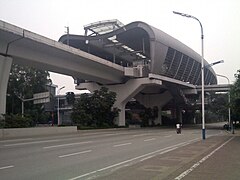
<point x="67" y="27"/>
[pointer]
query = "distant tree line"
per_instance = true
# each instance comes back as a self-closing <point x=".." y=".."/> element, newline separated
<point x="23" y="82"/>
<point x="219" y="102"/>
<point x="235" y="98"/>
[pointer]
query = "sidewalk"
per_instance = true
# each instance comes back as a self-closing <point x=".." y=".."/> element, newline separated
<point x="222" y="164"/>
<point x="214" y="158"/>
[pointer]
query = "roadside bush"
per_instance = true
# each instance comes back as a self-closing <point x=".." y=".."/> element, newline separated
<point x="16" y="121"/>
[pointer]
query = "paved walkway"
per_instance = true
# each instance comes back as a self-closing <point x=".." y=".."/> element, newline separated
<point x="216" y="157"/>
<point x="221" y="162"/>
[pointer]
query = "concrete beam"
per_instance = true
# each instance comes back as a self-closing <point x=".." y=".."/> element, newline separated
<point x="151" y="100"/>
<point x="34" y="50"/>
<point x="91" y="86"/>
<point x="190" y="91"/>
<point x="171" y="80"/>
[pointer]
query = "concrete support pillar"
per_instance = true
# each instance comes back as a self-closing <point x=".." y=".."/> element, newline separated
<point x="179" y="115"/>
<point x="124" y="92"/>
<point x="152" y="100"/>
<point x="174" y="113"/>
<point x="129" y="90"/>
<point x="5" y="67"/>
<point x="159" y="118"/>
<point x="120" y="120"/>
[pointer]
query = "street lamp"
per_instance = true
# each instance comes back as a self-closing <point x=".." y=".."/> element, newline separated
<point x="214" y="63"/>
<point x="202" y="66"/>
<point x="229" y="100"/>
<point x="58" y="92"/>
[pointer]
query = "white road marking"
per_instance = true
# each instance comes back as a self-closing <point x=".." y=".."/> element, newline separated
<point x="6" y="167"/>
<point x="185" y="173"/>
<point x="146" y="158"/>
<point x="139" y="135"/>
<point x="125" y="144"/>
<point x="73" y="154"/>
<point x="110" y="134"/>
<point x="119" y="167"/>
<point x="171" y="149"/>
<point x="163" y="152"/>
<point x="14" y="140"/>
<point x="32" y="142"/>
<point x="152" y="139"/>
<point x="97" y="133"/>
<point x="168" y="136"/>
<point x="133" y="159"/>
<point x="69" y="144"/>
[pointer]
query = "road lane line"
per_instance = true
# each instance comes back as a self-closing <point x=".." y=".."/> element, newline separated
<point x="119" y="145"/>
<point x="14" y="140"/>
<point x="139" y="135"/>
<point x="168" y="136"/>
<point x="152" y="139"/>
<point x="69" y="144"/>
<point x="185" y="173"/>
<point x="73" y="154"/>
<point x="6" y="167"/>
<point x="135" y="158"/>
<point x="109" y="134"/>
<point x="171" y="149"/>
<point x="27" y="143"/>
<point x="97" y="133"/>
<point x="163" y="152"/>
<point x="146" y="158"/>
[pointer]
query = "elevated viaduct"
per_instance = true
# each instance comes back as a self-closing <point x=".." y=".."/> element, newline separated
<point x="135" y="61"/>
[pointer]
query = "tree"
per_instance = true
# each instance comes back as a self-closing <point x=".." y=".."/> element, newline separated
<point x="235" y="97"/>
<point x="70" y="97"/>
<point x="81" y="114"/>
<point x="95" y="109"/>
<point x="148" y="116"/>
<point x="16" y="121"/>
<point x="23" y="82"/>
<point x="219" y="105"/>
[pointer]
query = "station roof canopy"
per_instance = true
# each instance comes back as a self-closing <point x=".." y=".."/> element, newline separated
<point x="103" y="27"/>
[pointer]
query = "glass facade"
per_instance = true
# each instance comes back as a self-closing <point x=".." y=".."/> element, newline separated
<point x="184" y="68"/>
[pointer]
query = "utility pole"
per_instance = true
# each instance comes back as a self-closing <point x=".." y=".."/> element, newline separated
<point x="58" y="112"/>
<point x="67" y="27"/>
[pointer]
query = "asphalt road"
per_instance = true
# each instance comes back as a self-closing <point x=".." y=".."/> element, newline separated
<point x="87" y="155"/>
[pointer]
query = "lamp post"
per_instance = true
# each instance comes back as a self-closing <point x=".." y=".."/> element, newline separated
<point x="202" y="66"/>
<point x="67" y="27"/>
<point x="214" y="63"/>
<point x="229" y="100"/>
<point x="58" y="92"/>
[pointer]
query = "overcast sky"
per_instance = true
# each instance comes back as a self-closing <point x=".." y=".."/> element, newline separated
<point x="220" y="20"/>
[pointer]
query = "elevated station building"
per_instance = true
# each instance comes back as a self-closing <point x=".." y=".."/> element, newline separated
<point x="141" y="45"/>
<point x="144" y="52"/>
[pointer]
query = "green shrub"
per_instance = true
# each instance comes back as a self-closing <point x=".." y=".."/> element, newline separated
<point x="95" y="110"/>
<point x="16" y="121"/>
